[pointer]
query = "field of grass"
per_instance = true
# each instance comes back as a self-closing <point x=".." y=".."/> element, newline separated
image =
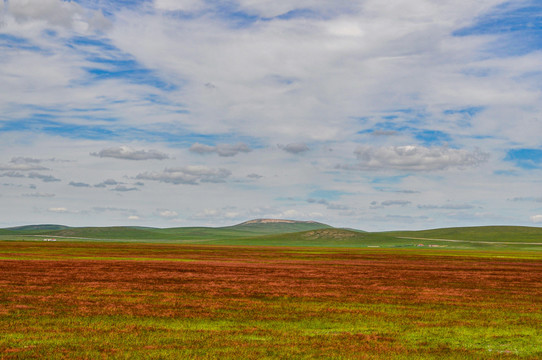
<point x="479" y="238"/>
<point x="95" y="300"/>
<point x="125" y="233"/>
<point x="479" y="233"/>
<point x="356" y="239"/>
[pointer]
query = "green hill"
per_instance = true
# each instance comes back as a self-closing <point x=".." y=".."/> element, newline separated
<point x="324" y="237"/>
<point x="38" y="227"/>
<point x="479" y="234"/>
<point x="246" y="229"/>
<point x="271" y="226"/>
<point x="270" y="232"/>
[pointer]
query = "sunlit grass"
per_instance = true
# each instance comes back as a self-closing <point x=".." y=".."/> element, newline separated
<point x="144" y="301"/>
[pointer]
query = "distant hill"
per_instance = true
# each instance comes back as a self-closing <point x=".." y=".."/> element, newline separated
<point x="277" y="226"/>
<point x="276" y="232"/>
<point x="478" y="233"/>
<point x="247" y="229"/>
<point x="38" y="227"/>
<point x="323" y="237"/>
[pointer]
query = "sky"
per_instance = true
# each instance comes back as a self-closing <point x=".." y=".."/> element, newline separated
<point x="375" y="115"/>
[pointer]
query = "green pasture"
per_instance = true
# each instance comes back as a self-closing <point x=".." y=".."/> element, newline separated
<point x="223" y="326"/>
<point x="475" y="238"/>
<point x="280" y="329"/>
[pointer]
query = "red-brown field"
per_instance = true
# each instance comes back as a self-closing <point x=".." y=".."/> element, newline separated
<point x="74" y="300"/>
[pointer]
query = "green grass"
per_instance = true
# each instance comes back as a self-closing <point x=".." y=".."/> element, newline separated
<point x="156" y="234"/>
<point x="233" y="302"/>
<point x="479" y="233"/>
<point x="479" y="238"/>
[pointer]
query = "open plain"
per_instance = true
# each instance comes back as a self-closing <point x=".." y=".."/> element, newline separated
<point x="83" y="300"/>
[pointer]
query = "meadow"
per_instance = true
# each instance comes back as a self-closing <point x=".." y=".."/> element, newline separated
<point x="126" y="300"/>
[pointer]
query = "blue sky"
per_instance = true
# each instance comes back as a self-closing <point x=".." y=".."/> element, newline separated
<point x="372" y="115"/>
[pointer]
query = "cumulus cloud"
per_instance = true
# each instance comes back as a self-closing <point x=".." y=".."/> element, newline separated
<point x="395" y="203"/>
<point x="168" y="214"/>
<point x="191" y="175"/>
<point x="294" y="148"/>
<point x="281" y="7"/>
<point x="384" y="133"/>
<point x="224" y="213"/>
<point x="105" y="183"/>
<point x="25" y="160"/>
<point x="18" y="165"/>
<point x="78" y="184"/>
<point x="415" y="158"/>
<point x="328" y="205"/>
<point x="58" y="209"/>
<point x="12" y="174"/>
<point x="42" y="177"/>
<point x="127" y="153"/>
<point x="179" y="5"/>
<point x="447" y="207"/>
<point x="225" y="150"/>
<point x="39" y="195"/>
<point x="527" y="199"/>
<point x="67" y="14"/>
<point x="124" y="188"/>
<point x="536" y="218"/>
<point x="381" y="205"/>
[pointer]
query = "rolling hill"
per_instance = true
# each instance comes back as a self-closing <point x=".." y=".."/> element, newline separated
<point x="514" y="234"/>
<point x="247" y="229"/>
<point x="273" y="232"/>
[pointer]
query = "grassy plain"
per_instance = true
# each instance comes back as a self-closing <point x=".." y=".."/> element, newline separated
<point x="94" y="300"/>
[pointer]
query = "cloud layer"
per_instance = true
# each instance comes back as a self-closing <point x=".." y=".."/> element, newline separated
<point x="225" y="150"/>
<point x="191" y="175"/>
<point x="416" y="158"/>
<point x="127" y="153"/>
<point x="374" y="115"/>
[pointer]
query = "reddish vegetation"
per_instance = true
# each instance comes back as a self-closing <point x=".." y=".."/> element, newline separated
<point x="255" y="273"/>
<point x="253" y="287"/>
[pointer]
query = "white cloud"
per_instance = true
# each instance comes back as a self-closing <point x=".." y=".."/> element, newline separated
<point x="12" y="174"/>
<point x="225" y="150"/>
<point x="39" y="195"/>
<point x="67" y="14"/>
<point x="128" y="153"/>
<point x="21" y="167"/>
<point x="187" y="175"/>
<point x="58" y="210"/>
<point x="124" y="188"/>
<point x="416" y="158"/>
<point x="78" y="184"/>
<point x="322" y="79"/>
<point x="395" y="203"/>
<point x="108" y="182"/>
<point x="447" y="207"/>
<point x="536" y="218"/>
<point x="42" y="177"/>
<point x="270" y="8"/>
<point x="179" y="5"/>
<point x="294" y="148"/>
<point x="168" y="214"/>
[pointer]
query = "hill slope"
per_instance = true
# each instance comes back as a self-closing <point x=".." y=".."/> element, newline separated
<point x="246" y="229"/>
<point x="478" y="234"/>
<point x="38" y="227"/>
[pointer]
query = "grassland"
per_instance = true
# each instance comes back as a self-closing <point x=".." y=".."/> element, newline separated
<point x="146" y="234"/>
<point x="297" y="234"/>
<point x="95" y="300"/>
